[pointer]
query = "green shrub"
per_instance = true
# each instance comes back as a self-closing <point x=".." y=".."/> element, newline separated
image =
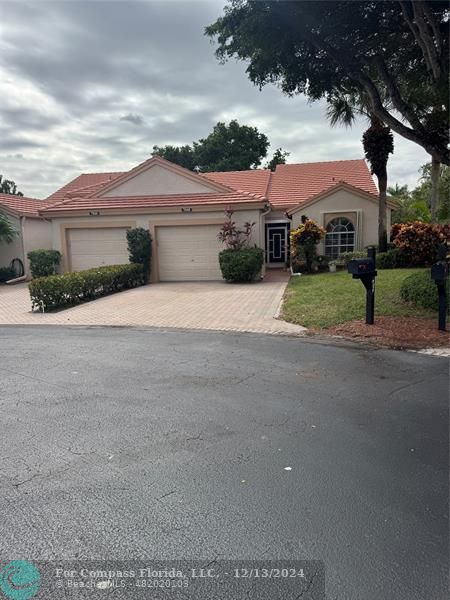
<point x="241" y="265"/>
<point x="6" y="273"/>
<point x="140" y="249"/>
<point x="43" y="262"/>
<point x="321" y="262"/>
<point x="420" y="290"/>
<point x="346" y="257"/>
<point x="59" y="291"/>
<point x="392" y="259"/>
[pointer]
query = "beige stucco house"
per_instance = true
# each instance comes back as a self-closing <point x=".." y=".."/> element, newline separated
<point x="87" y="219"/>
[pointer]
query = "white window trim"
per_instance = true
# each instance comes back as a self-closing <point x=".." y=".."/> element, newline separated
<point x="358" y="224"/>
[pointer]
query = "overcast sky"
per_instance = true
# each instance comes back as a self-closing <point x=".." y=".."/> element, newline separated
<point x="92" y="85"/>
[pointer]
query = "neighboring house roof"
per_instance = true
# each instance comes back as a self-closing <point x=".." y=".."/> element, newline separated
<point x="82" y="181"/>
<point x="21" y="206"/>
<point x="161" y="201"/>
<point x="296" y="183"/>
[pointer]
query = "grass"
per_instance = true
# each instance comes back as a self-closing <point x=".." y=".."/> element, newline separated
<point x="327" y="299"/>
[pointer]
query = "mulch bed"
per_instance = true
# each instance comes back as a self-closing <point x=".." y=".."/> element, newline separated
<point x="395" y="332"/>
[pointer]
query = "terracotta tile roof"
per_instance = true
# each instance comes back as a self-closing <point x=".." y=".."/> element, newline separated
<point x="296" y="183"/>
<point x="83" y="181"/>
<point x="163" y="201"/>
<point x="21" y="205"/>
<point x="255" y="181"/>
<point x="292" y="184"/>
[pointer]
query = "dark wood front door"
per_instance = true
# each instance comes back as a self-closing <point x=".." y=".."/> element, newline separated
<point x="277" y="243"/>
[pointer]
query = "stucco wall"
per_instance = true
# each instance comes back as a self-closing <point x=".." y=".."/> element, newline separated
<point x="158" y="180"/>
<point x="344" y="202"/>
<point x="145" y="220"/>
<point x="15" y="249"/>
<point x="37" y="235"/>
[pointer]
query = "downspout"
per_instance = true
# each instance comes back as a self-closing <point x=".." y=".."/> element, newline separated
<point x="263" y="214"/>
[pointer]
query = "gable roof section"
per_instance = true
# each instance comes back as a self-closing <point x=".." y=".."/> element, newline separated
<point x="21" y="206"/>
<point x="124" y="203"/>
<point x="157" y="160"/>
<point x="340" y="185"/>
<point x="297" y="183"/>
<point x="293" y="184"/>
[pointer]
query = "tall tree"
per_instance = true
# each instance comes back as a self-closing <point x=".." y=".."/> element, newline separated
<point x="424" y="192"/>
<point x="180" y="155"/>
<point x="7" y="231"/>
<point x="279" y="158"/>
<point x="231" y="147"/>
<point x="378" y="143"/>
<point x="393" y="52"/>
<point x="7" y="186"/>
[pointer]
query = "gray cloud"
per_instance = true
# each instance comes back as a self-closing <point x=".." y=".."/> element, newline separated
<point x="134" y="119"/>
<point x="90" y="70"/>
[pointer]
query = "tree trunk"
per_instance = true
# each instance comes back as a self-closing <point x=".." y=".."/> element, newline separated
<point x="435" y="178"/>
<point x="382" y="233"/>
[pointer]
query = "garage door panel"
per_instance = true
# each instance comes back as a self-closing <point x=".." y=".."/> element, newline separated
<point x="95" y="247"/>
<point x="189" y="253"/>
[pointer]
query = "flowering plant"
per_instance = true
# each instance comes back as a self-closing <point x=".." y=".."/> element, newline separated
<point x="304" y="240"/>
<point x="233" y="237"/>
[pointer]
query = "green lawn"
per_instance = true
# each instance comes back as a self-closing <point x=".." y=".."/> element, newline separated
<point x="327" y="299"/>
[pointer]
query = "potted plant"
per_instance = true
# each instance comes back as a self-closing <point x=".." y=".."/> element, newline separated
<point x="332" y="265"/>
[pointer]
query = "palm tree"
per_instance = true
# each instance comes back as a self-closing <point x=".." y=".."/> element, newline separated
<point x="378" y="143"/>
<point x="7" y="231"/>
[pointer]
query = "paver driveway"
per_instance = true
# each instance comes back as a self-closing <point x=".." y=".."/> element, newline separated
<point x="205" y="305"/>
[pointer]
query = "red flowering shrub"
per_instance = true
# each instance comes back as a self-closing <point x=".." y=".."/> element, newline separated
<point x="419" y="242"/>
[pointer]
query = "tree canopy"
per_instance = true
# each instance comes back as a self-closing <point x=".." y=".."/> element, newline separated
<point x="415" y="204"/>
<point x="393" y="54"/>
<point x="7" y="186"/>
<point x="231" y="147"/>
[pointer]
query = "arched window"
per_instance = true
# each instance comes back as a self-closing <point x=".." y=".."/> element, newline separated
<point x="340" y="237"/>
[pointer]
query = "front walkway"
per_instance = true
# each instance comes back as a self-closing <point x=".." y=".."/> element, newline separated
<point x="200" y="305"/>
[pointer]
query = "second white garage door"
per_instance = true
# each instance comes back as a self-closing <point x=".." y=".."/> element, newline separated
<point x="189" y="253"/>
<point x="93" y="247"/>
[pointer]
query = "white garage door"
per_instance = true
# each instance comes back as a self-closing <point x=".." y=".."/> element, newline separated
<point x="189" y="253"/>
<point x="97" y="247"/>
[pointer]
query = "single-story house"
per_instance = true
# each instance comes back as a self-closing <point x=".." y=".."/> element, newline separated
<point x="86" y="220"/>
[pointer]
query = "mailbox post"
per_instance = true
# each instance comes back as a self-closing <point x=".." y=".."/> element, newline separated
<point x="439" y="274"/>
<point x="364" y="269"/>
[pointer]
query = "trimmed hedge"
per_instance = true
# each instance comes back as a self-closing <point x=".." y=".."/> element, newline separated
<point x="60" y="291"/>
<point x="419" y="289"/>
<point x="346" y="257"/>
<point x="392" y="259"/>
<point x="241" y="265"/>
<point x="43" y="262"/>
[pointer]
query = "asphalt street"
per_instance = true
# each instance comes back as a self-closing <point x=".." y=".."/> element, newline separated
<point x="139" y="444"/>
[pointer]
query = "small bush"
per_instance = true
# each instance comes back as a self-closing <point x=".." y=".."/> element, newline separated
<point x="419" y="242"/>
<point x="140" y="249"/>
<point x="43" y="262"/>
<point x="59" y="291"/>
<point x="321" y="262"/>
<point x="241" y="265"/>
<point x="419" y="289"/>
<point x="6" y="273"/>
<point x="392" y="259"/>
<point x="346" y="257"/>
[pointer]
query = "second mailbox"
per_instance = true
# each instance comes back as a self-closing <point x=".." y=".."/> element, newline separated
<point x="360" y="267"/>
<point x="439" y="271"/>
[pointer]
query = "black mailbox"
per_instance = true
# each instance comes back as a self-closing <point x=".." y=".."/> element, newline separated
<point x="439" y="271"/>
<point x="360" y="267"/>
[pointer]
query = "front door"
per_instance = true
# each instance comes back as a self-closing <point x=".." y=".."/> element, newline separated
<point x="277" y="243"/>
